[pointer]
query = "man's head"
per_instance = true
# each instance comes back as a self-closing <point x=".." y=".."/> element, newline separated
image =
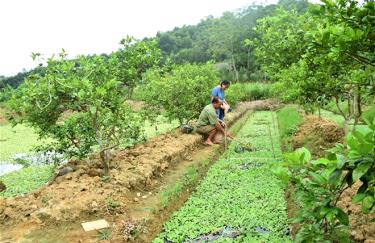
<point x="216" y="102"/>
<point x="224" y="84"/>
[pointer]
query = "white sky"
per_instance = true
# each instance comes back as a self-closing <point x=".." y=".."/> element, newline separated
<point x="91" y="26"/>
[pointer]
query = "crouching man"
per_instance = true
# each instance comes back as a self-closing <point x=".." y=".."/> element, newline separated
<point x="209" y="124"/>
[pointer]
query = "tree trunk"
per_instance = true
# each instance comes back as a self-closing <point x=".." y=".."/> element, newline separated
<point x="346" y="118"/>
<point x="248" y="63"/>
<point x="234" y="62"/>
<point x="346" y="125"/>
<point x="104" y="156"/>
<point x="130" y="93"/>
<point x="235" y="69"/>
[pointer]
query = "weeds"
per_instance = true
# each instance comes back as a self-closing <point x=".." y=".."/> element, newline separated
<point x="104" y="234"/>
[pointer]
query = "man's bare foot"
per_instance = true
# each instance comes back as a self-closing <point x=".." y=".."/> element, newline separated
<point x="209" y="143"/>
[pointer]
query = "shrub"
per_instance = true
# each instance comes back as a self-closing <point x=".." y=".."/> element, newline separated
<point x="247" y="91"/>
<point x="182" y="93"/>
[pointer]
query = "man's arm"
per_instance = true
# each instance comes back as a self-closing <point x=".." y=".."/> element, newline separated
<point x="219" y="127"/>
<point x="223" y="125"/>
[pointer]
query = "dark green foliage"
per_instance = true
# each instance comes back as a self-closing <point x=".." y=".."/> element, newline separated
<point x="130" y="62"/>
<point x="326" y="178"/>
<point x="324" y="55"/>
<point x="181" y="93"/>
<point x="220" y="39"/>
<point x="17" y="80"/>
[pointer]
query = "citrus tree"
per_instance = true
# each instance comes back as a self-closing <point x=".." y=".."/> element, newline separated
<point x="79" y="104"/>
<point x="182" y="92"/>
<point x="132" y="60"/>
<point x="325" y="55"/>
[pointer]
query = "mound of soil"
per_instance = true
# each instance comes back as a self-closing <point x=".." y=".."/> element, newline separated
<point x="85" y="193"/>
<point x="361" y="229"/>
<point x="268" y="104"/>
<point x="317" y="135"/>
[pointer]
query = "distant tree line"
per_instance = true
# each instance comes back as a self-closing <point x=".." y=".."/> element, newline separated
<point x="222" y="40"/>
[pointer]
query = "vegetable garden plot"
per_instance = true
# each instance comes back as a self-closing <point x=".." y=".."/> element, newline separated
<point x="239" y="193"/>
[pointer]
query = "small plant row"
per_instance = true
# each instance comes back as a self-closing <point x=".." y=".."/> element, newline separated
<point x="240" y="200"/>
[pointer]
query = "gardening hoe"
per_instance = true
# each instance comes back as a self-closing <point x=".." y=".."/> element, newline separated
<point x="225" y="137"/>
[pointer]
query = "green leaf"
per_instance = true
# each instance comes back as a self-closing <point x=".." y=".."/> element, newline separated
<point x="361" y="169"/>
<point x="366" y="148"/>
<point x="352" y="142"/>
<point x="317" y="178"/>
<point x="282" y="173"/>
<point x="369" y="116"/>
<point x="321" y="161"/>
<point x="367" y="204"/>
<point x="306" y="154"/>
<point x="342" y="216"/>
<point x="341" y="160"/>
<point x="358" y="198"/>
<point x="334" y="178"/>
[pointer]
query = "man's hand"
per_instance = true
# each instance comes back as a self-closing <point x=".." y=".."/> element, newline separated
<point x="229" y="135"/>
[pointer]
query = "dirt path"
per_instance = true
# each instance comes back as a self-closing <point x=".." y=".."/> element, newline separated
<point x="130" y="201"/>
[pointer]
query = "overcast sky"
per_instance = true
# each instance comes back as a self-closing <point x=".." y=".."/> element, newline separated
<point x="92" y="26"/>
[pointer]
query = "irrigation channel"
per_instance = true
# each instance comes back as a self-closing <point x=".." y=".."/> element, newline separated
<point x="239" y="200"/>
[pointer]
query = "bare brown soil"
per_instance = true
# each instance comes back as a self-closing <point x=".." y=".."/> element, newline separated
<point x="361" y="229"/>
<point x="317" y="135"/>
<point x="135" y="105"/>
<point x="54" y="213"/>
<point x="292" y="209"/>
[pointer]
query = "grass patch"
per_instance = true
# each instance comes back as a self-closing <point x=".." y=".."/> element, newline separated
<point x="18" y="139"/>
<point x="171" y="193"/>
<point x="162" y="125"/>
<point x="289" y="119"/>
<point x="26" y="180"/>
<point x="329" y="115"/>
